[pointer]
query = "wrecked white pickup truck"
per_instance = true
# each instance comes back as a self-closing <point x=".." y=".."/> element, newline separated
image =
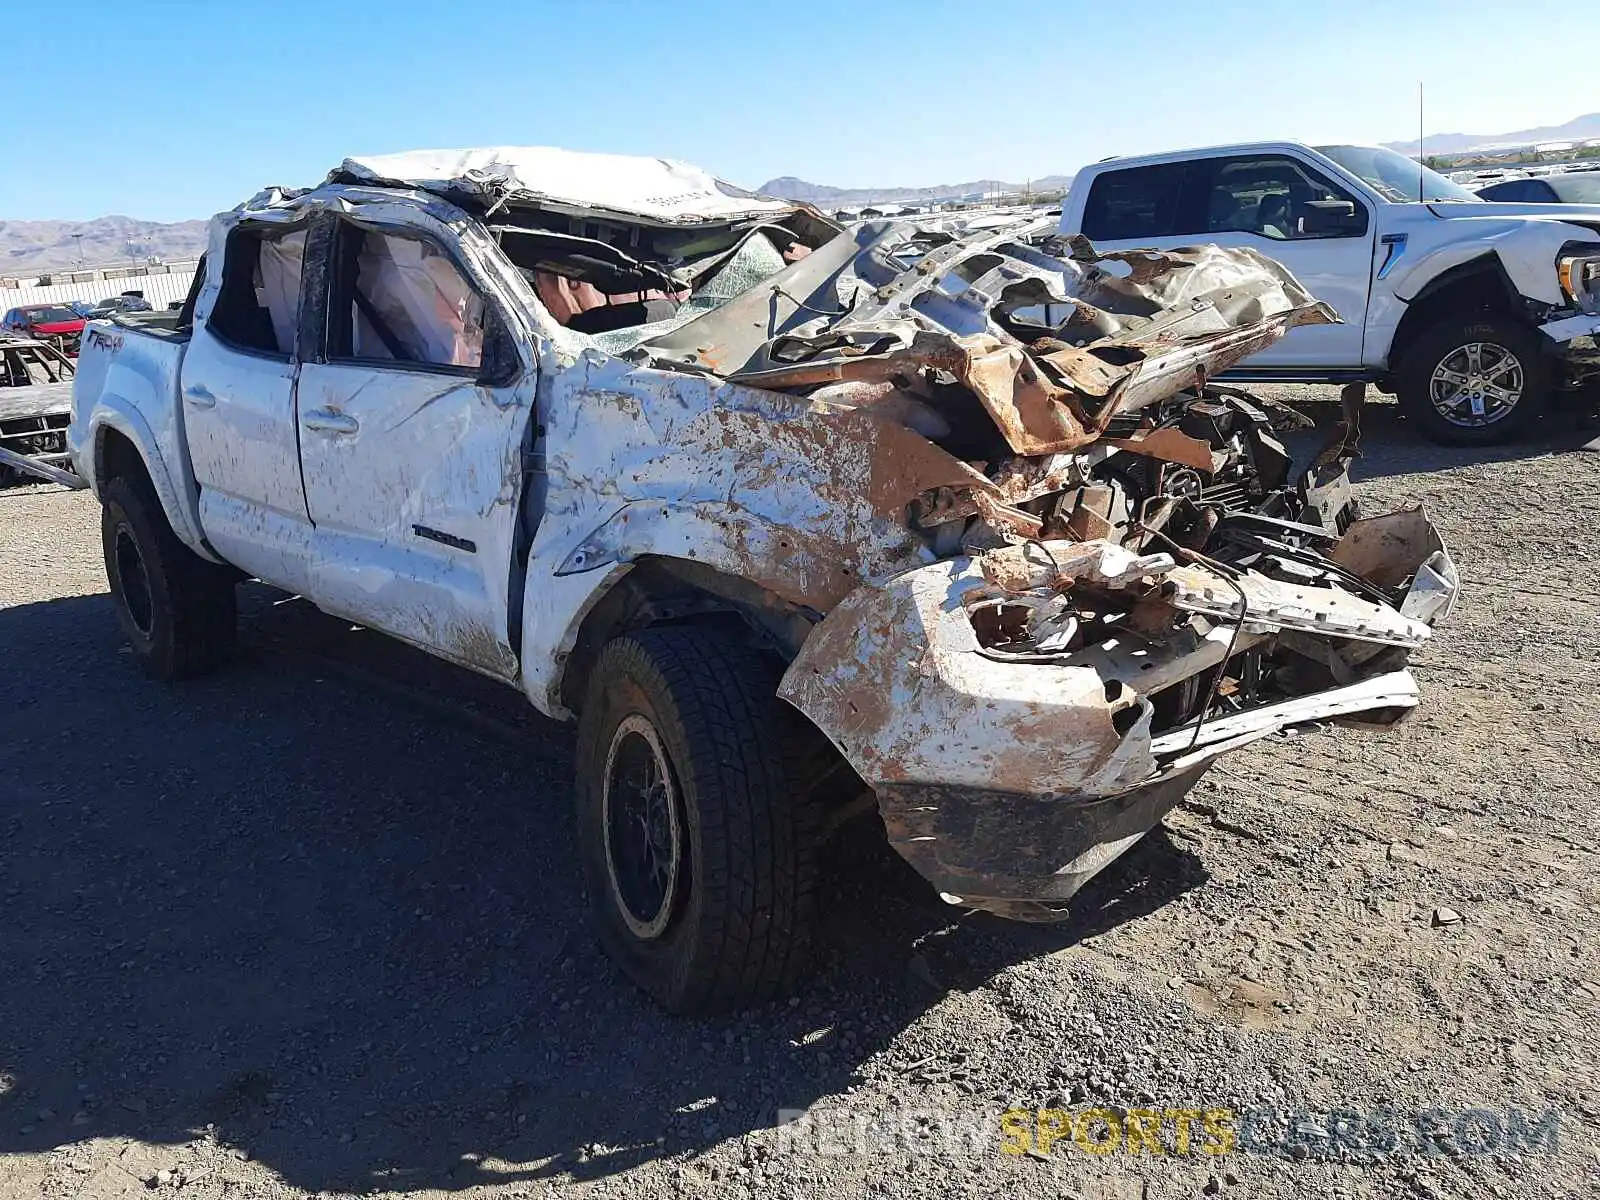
<point x="659" y="453"/>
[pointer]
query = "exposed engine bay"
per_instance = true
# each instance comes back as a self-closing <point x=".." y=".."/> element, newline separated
<point x="1123" y="578"/>
<point x="1135" y="567"/>
<point x="1180" y="597"/>
<point x="1203" y="485"/>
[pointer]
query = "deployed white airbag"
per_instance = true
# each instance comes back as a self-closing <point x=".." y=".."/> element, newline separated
<point x="421" y="300"/>
<point x="278" y="284"/>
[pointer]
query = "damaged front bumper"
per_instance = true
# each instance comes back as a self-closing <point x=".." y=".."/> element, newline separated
<point x="1009" y="779"/>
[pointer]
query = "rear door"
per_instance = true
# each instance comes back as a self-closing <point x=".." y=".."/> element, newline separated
<point x="412" y="418"/>
<point x="1269" y="202"/>
<point x="237" y="386"/>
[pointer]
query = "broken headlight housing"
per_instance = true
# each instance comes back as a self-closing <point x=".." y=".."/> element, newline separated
<point x="1578" y="269"/>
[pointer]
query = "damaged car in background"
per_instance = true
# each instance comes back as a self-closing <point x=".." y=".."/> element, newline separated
<point x="35" y="409"/>
<point x="944" y="514"/>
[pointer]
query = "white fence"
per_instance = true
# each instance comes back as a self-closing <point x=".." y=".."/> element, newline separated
<point x="161" y="286"/>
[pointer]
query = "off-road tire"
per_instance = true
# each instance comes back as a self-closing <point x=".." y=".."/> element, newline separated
<point x="741" y="928"/>
<point x="182" y="618"/>
<point x="1435" y="344"/>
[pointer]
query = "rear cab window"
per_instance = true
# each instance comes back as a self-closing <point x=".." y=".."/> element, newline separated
<point x="1139" y="202"/>
<point x="1515" y="190"/>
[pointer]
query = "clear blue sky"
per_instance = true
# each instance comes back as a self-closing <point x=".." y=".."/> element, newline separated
<point x="166" y="109"/>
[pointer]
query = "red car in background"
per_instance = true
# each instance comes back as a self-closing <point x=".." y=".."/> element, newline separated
<point x="53" y="323"/>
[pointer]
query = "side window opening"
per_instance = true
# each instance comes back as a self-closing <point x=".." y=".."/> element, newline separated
<point x="258" y="304"/>
<point x="1140" y="202"/>
<point x="580" y="305"/>
<point x="402" y="299"/>
<point x="1272" y="197"/>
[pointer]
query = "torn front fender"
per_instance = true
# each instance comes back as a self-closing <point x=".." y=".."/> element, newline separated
<point x="805" y="499"/>
<point x="896" y="678"/>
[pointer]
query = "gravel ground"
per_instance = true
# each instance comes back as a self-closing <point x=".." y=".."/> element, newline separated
<point x="313" y="925"/>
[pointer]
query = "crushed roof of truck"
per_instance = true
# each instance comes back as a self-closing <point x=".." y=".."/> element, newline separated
<point x="659" y="190"/>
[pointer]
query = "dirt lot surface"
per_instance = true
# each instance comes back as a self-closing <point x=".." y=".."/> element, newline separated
<point x="314" y="925"/>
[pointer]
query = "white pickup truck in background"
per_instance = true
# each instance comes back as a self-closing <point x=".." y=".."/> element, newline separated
<point x="1474" y="314"/>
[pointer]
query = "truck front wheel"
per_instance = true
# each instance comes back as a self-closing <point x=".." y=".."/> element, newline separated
<point x="696" y="839"/>
<point x="1474" y="381"/>
<point x="175" y="608"/>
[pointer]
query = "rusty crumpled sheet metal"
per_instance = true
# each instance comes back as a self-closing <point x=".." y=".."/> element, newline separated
<point x="898" y="679"/>
<point x="806" y="499"/>
<point x="1256" y="602"/>
<point x="913" y="299"/>
<point x="1010" y="783"/>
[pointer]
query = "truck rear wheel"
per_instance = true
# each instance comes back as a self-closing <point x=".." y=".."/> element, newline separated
<point x="696" y="837"/>
<point x="176" y="609"/>
<point x="1474" y="381"/>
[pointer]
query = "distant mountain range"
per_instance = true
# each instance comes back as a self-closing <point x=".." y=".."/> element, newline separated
<point x="31" y="247"/>
<point x="787" y="187"/>
<point x="1587" y="126"/>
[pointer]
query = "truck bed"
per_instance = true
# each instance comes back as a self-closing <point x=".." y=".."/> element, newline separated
<point x="147" y="350"/>
<point x="162" y="324"/>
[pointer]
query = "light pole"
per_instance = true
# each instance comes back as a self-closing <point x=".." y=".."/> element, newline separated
<point x="77" y="240"/>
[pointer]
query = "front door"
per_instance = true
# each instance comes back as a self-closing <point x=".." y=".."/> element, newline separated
<point x="1271" y="203"/>
<point x="411" y="440"/>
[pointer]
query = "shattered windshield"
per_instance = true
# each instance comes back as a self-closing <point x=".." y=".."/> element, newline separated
<point x="1394" y="176"/>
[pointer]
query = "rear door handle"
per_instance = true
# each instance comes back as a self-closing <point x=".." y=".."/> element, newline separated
<point x="325" y="420"/>
<point x="199" y="396"/>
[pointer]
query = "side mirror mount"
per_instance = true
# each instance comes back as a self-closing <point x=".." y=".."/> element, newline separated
<point x="501" y="364"/>
<point x="1325" y="218"/>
